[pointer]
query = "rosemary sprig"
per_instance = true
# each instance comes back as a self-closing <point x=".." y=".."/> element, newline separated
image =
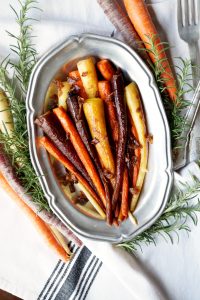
<point x="22" y="69"/>
<point x="23" y="47"/>
<point x="179" y="209"/>
<point x="174" y="109"/>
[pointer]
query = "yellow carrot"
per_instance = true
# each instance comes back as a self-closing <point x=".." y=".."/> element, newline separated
<point x="63" y="90"/>
<point x="6" y="119"/>
<point x="94" y="113"/>
<point x="132" y="97"/>
<point x="88" y="75"/>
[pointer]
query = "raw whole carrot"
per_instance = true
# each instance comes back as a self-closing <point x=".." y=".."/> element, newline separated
<point x="125" y="192"/>
<point x="106" y="95"/>
<point x="106" y="69"/>
<point x="40" y="225"/>
<point x="143" y="24"/>
<point x="120" y="20"/>
<point x="81" y="150"/>
<point x="49" y="146"/>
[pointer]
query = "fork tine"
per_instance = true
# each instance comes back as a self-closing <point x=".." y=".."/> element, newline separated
<point x="196" y="12"/>
<point x="192" y="12"/>
<point x="186" y="11"/>
<point x="179" y="14"/>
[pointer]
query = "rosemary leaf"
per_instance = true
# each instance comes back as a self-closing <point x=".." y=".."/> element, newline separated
<point x="22" y="69"/>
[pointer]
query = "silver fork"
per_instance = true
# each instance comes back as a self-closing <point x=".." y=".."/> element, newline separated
<point x="188" y="27"/>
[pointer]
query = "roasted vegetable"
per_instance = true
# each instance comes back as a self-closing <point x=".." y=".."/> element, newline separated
<point x="134" y="104"/>
<point x="88" y="75"/>
<point x="81" y="150"/>
<point x="125" y="194"/>
<point x="111" y="116"/>
<point x="118" y="90"/>
<point x="76" y="111"/>
<point x="63" y="90"/>
<point x="53" y="129"/>
<point x="106" y="69"/>
<point x="49" y="146"/>
<point x="94" y="113"/>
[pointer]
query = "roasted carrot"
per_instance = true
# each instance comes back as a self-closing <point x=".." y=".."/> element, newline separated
<point x="82" y="92"/>
<point x="125" y="192"/>
<point x="106" y="69"/>
<point x="53" y="129"/>
<point x="143" y="24"/>
<point x="106" y="94"/>
<point x="120" y="20"/>
<point x="118" y="90"/>
<point x="94" y="113"/>
<point x="136" y="167"/>
<point x="49" y="146"/>
<point x="87" y="70"/>
<point x="77" y="115"/>
<point x="39" y="224"/>
<point x="134" y="104"/>
<point x="74" y="75"/>
<point x="81" y="150"/>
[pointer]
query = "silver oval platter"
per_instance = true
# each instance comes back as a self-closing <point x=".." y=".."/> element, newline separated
<point x="159" y="175"/>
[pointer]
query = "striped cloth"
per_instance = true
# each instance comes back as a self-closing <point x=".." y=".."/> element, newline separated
<point x="72" y="280"/>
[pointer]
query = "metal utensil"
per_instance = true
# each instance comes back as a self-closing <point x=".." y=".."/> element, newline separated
<point x="188" y="26"/>
<point x="159" y="178"/>
<point x="183" y="143"/>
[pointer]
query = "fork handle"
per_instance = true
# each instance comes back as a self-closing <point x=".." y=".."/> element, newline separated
<point x="195" y="61"/>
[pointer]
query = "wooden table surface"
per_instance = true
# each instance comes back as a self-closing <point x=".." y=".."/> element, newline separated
<point x="6" y="296"/>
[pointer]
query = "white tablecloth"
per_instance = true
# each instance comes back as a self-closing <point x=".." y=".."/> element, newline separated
<point x="174" y="269"/>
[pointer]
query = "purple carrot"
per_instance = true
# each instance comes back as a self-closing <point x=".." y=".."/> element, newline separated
<point x="53" y="129"/>
<point x="118" y="91"/>
<point x="120" y="20"/>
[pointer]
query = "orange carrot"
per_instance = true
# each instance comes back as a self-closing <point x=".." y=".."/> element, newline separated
<point x="41" y="225"/>
<point x="105" y="94"/>
<point x="106" y="69"/>
<point x="136" y="167"/>
<point x="125" y="190"/>
<point x="143" y="24"/>
<point x="53" y="150"/>
<point x="121" y="217"/>
<point x="82" y="91"/>
<point x="74" y="75"/>
<point x="81" y="150"/>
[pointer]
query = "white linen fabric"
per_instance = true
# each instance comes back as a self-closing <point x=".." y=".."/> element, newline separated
<point x="28" y="268"/>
